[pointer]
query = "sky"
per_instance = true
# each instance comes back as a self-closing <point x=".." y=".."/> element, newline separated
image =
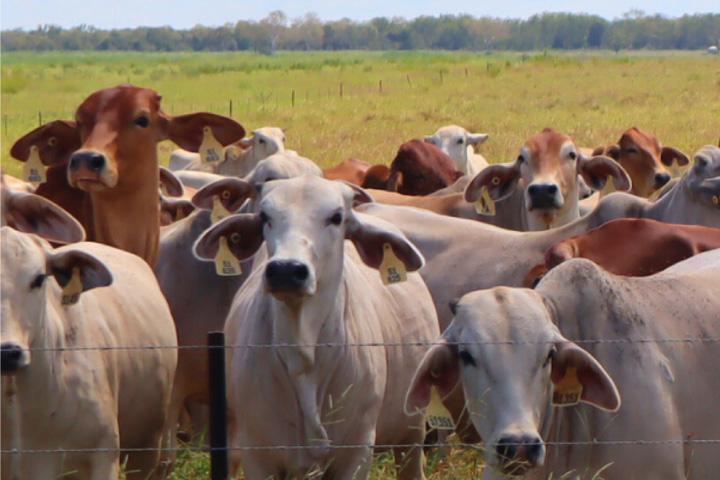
<point x="28" y="14"/>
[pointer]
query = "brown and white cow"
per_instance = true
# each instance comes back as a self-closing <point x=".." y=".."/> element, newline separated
<point x="644" y="159"/>
<point x="546" y="170"/>
<point x="318" y="283"/>
<point x="631" y="246"/>
<point x="104" y="165"/>
<point x="544" y="372"/>
<point x="75" y="371"/>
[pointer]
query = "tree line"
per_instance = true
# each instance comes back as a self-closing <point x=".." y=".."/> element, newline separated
<point x="635" y="30"/>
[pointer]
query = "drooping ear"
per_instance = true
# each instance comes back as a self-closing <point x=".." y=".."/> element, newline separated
<point x="30" y="213"/>
<point x="596" y="171"/>
<point x="360" y="196"/>
<point x="244" y="234"/>
<point x="561" y="252"/>
<point x="598" y="389"/>
<point x="245" y="142"/>
<point x="395" y="181"/>
<point x="668" y="155"/>
<point x="55" y="141"/>
<point x="370" y="234"/>
<point x="535" y="275"/>
<point x="187" y="130"/>
<point x="231" y="191"/>
<point x="439" y="367"/>
<point x="174" y="209"/>
<point x="612" y="151"/>
<point x="429" y="139"/>
<point x="93" y="273"/>
<point x="500" y="180"/>
<point x="477" y="138"/>
<point x="171" y="184"/>
<point x="602" y="151"/>
<point x="376" y="177"/>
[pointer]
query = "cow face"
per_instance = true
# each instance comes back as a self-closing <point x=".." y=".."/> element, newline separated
<point x="265" y="141"/>
<point x="644" y="159"/>
<point x="548" y="164"/>
<point x="304" y="222"/>
<point x="703" y="179"/>
<point x="455" y="142"/>
<point x="504" y="349"/>
<point x="32" y="276"/>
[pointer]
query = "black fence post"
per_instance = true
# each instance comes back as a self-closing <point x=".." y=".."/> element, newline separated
<point x="218" y="406"/>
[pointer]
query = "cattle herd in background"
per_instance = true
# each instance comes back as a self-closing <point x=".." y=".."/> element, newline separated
<point x="397" y="288"/>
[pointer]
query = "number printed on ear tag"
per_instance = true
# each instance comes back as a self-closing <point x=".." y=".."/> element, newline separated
<point x="218" y="210"/>
<point x="485" y="205"/>
<point x="438" y="416"/>
<point x="211" y="150"/>
<point x="568" y="390"/>
<point x="72" y="290"/>
<point x="392" y="270"/>
<point x="226" y="264"/>
<point x="33" y="169"/>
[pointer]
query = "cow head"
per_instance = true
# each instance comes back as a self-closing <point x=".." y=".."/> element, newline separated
<point x="549" y="164"/>
<point x="33" y="274"/>
<point x="304" y="222"/>
<point x="420" y="168"/>
<point x="703" y="180"/>
<point x="644" y="159"/>
<point x="265" y="141"/>
<point x="504" y="349"/>
<point x="455" y="142"/>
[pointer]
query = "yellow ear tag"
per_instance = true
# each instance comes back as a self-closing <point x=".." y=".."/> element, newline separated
<point x="211" y="150"/>
<point x="392" y="270"/>
<point x="568" y="390"/>
<point x="226" y="265"/>
<point x="485" y="205"/>
<point x="218" y="211"/>
<point x="71" y="292"/>
<point x="33" y="169"/>
<point x="437" y="415"/>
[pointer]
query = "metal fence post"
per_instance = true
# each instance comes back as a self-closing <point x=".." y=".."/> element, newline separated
<point x="218" y="406"/>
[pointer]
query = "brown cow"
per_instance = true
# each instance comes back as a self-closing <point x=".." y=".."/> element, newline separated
<point x="104" y="166"/>
<point x="631" y="246"/>
<point x="419" y="168"/>
<point x="350" y="170"/>
<point x="644" y="159"/>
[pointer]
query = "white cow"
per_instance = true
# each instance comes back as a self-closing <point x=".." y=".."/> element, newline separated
<point x="534" y="376"/>
<point x="310" y="287"/>
<point x="458" y="144"/>
<point x="57" y="395"/>
<point x="264" y="142"/>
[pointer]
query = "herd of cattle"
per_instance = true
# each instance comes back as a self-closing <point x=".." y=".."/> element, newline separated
<point x="355" y="299"/>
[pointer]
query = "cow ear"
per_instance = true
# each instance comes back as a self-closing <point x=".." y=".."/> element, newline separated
<point x="187" y="130"/>
<point x="500" y="181"/>
<point x="243" y="232"/>
<point x="174" y="209"/>
<point x="668" y="155"/>
<point x="612" y="151"/>
<point x="477" y="138"/>
<point x="231" y="191"/>
<point x="534" y="276"/>
<point x="62" y="264"/>
<point x="429" y="139"/>
<point x="370" y="234"/>
<point x="395" y="181"/>
<point x="572" y="365"/>
<point x="601" y="151"/>
<point x="596" y="171"/>
<point x="30" y="213"/>
<point x="55" y="142"/>
<point x="360" y="196"/>
<point x="439" y="368"/>
<point x="170" y="183"/>
<point x="376" y="177"/>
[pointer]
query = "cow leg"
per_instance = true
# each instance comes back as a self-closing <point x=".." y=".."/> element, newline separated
<point x="103" y="466"/>
<point x="409" y="463"/>
<point x="353" y="464"/>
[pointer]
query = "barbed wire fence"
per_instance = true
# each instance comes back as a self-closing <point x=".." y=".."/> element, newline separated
<point x="218" y="448"/>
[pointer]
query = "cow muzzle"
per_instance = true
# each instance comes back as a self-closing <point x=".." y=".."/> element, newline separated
<point x="544" y="196"/>
<point x="13" y="358"/>
<point x="89" y="170"/>
<point x="661" y="179"/>
<point x="285" y="278"/>
<point x="516" y="454"/>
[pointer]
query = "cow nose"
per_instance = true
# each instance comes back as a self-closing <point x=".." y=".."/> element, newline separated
<point x="543" y="195"/>
<point x="527" y="449"/>
<point x="93" y="161"/>
<point x="11" y="357"/>
<point x="286" y="275"/>
<point x="661" y="179"/>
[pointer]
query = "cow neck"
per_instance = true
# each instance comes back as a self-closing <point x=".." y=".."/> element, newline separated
<point x="682" y="199"/>
<point x="127" y="216"/>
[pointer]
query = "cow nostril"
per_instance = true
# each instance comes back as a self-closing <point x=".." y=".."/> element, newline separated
<point x="300" y="272"/>
<point x="10" y="356"/>
<point x="506" y="448"/>
<point x="286" y="275"/>
<point x="661" y="179"/>
<point x="74" y="162"/>
<point x="552" y="189"/>
<point x="97" y="162"/>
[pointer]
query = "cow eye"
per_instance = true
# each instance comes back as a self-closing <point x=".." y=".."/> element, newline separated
<point x="142" y="121"/>
<point x="261" y="141"/>
<point x="572" y="155"/>
<point x="466" y="358"/>
<point x="631" y="150"/>
<point x="550" y="355"/>
<point x="460" y="141"/>
<point x="37" y="281"/>
<point x="520" y="159"/>
<point x="264" y="218"/>
<point x="335" y="219"/>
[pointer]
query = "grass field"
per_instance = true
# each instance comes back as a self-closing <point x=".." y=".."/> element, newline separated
<point x="592" y="96"/>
